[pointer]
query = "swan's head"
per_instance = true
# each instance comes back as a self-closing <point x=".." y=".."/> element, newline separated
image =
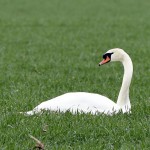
<point x="115" y="54"/>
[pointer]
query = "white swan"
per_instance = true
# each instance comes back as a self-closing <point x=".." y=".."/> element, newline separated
<point x="94" y="103"/>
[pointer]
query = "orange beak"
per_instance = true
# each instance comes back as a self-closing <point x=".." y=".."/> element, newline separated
<point x="104" y="61"/>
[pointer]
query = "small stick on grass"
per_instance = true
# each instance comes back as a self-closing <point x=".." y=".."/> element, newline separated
<point x="39" y="144"/>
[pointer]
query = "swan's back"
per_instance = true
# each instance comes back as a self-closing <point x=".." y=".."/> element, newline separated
<point x="79" y="102"/>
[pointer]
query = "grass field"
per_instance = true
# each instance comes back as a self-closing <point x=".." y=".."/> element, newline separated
<point x="51" y="47"/>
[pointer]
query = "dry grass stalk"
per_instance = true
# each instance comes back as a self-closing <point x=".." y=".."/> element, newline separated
<point x="39" y="144"/>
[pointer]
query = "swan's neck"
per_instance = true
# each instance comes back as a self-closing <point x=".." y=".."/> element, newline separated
<point x="123" y="98"/>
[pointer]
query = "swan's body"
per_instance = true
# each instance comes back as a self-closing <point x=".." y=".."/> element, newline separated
<point x="78" y="102"/>
<point x="94" y="103"/>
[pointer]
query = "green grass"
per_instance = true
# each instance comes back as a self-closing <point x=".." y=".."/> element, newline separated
<point x="51" y="47"/>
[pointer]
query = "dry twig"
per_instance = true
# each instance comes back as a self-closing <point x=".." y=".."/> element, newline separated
<point x="39" y="144"/>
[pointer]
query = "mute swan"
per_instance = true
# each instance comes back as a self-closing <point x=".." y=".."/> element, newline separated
<point x="91" y="102"/>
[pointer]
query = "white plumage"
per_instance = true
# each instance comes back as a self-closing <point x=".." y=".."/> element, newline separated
<point x="90" y="102"/>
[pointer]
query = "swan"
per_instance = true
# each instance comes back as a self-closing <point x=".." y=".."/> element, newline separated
<point x="83" y="102"/>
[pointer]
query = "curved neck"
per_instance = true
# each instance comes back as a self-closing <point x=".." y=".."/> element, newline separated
<point x="123" y="99"/>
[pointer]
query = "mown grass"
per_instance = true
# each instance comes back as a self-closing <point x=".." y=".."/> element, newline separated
<point x="50" y="47"/>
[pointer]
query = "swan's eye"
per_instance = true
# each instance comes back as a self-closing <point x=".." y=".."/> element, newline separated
<point x="106" y="58"/>
<point x="107" y="55"/>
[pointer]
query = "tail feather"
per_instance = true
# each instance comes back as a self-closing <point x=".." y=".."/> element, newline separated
<point x="28" y="113"/>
